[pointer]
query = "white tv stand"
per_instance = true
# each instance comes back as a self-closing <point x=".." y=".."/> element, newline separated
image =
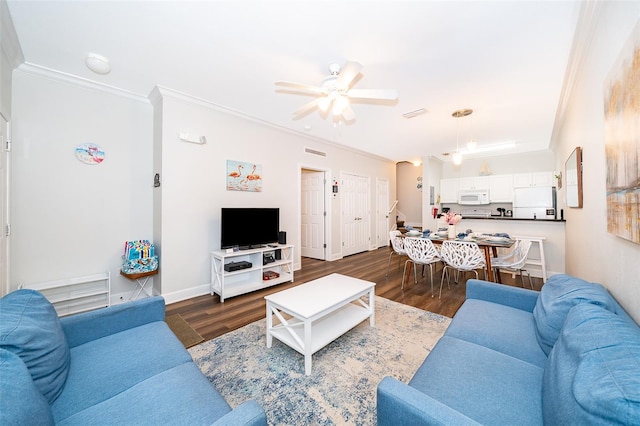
<point x="229" y="284"/>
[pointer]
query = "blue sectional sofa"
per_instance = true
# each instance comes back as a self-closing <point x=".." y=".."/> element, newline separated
<point x="568" y="354"/>
<point x="118" y="365"/>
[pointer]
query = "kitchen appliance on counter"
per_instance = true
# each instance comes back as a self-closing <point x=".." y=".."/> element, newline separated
<point x="471" y="213"/>
<point x="534" y="203"/>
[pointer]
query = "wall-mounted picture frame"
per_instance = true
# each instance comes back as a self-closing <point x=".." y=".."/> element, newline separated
<point x="622" y="142"/>
<point x="89" y="153"/>
<point x="573" y="174"/>
<point x="243" y="176"/>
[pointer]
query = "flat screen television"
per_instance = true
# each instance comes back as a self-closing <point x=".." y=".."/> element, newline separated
<point x="249" y="227"/>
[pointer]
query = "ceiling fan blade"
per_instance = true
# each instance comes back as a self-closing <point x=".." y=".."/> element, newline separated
<point x="386" y="94"/>
<point x="308" y="107"/>
<point x="347" y="74"/>
<point x="299" y="86"/>
<point x="348" y="113"/>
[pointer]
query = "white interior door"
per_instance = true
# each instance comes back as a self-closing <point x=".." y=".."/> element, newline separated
<point x="382" y="212"/>
<point x="313" y="214"/>
<point x="4" y="208"/>
<point x="355" y="199"/>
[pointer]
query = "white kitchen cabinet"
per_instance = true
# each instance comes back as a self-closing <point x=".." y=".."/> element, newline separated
<point x="476" y="182"/>
<point x="449" y="190"/>
<point x="533" y="180"/>
<point x="501" y="188"/>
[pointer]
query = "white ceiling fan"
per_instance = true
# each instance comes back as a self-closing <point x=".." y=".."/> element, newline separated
<point x="336" y="93"/>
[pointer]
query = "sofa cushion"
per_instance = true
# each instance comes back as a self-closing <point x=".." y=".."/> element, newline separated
<point x="592" y="376"/>
<point x="181" y="395"/>
<point x="499" y="327"/>
<point x="30" y="328"/>
<point x="559" y="294"/>
<point x="103" y="368"/>
<point x="21" y="403"/>
<point x="482" y="384"/>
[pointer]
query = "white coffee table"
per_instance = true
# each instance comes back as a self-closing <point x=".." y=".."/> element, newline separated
<point x="321" y="311"/>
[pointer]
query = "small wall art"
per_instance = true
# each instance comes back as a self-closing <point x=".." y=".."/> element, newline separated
<point x="90" y="153"/>
<point x="242" y="176"/>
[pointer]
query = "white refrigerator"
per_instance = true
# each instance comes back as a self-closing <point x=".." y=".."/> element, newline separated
<point x="534" y="203"/>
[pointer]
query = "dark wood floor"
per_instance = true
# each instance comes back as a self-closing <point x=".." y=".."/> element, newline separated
<point x="211" y="318"/>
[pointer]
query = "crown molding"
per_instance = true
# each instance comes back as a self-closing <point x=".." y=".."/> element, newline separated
<point x="588" y="18"/>
<point x="74" y="80"/>
<point x="9" y="38"/>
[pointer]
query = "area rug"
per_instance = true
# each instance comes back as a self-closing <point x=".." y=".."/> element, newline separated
<point x="345" y="374"/>
<point x="183" y="331"/>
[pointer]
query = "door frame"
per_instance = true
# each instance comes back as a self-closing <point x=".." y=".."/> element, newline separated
<point x="384" y="237"/>
<point x="327" y="208"/>
<point x="370" y="221"/>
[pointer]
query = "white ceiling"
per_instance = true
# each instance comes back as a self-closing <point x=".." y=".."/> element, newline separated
<point x="505" y="59"/>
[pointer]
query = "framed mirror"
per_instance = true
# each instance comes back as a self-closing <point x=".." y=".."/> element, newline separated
<point x="573" y="178"/>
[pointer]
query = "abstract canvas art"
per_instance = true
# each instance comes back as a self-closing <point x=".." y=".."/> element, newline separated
<point x="622" y="141"/>
<point x="243" y="176"/>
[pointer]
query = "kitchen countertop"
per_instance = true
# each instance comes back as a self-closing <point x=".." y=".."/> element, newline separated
<point x="512" y="219"/>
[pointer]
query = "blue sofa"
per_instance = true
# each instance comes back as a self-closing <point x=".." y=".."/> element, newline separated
<point x="568" y="354"/>
<point x="118" y="365"/>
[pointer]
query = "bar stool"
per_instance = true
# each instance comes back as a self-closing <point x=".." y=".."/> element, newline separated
<point x="541" y="261"/>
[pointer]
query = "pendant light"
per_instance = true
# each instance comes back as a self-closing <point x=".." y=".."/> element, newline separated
<point x="457" y="157"/>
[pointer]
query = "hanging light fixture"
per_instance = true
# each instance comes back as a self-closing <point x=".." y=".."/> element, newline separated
<point x="457" y="157"/>
<point x="471" y="145"/>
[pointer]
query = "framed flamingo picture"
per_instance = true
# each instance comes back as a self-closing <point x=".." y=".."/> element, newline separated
<point x="242" y="176"/>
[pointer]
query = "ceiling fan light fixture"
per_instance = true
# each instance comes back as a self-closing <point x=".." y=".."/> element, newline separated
<point x="336" y="92"/>
<point x="340" y="104"/>
<point x="325" y="103"/>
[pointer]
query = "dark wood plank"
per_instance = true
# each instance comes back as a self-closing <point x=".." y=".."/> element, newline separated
<point x="211" y="318"/>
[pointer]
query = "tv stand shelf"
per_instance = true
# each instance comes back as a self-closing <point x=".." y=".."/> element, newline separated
<point x="229" y="284"/>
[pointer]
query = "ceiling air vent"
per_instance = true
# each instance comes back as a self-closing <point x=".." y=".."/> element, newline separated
<point x="315" y="152"/>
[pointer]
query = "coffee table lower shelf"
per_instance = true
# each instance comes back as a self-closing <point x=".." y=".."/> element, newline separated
<point x="324" y="330"/>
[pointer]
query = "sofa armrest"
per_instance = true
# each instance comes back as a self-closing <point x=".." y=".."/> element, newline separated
<point x="92" y="325"/>
<point x="400" y="404"/>
<point x="519" y="298"/>
<point x="248" y="413"/>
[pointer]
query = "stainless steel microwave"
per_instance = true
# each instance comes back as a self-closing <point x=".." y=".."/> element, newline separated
<point x="474" y="197"/>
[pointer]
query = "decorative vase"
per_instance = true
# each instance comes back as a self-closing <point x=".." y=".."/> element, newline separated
<point x="452" y="231"/>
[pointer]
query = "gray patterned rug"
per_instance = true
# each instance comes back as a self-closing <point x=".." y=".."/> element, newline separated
<point x="342" y="387"/>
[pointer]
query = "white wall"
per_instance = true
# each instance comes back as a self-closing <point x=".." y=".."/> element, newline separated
<point x="194" y="176"/>
<point x="536" y="161"/>
<point x="593" y="253"/>
<point x="70" y="219"/>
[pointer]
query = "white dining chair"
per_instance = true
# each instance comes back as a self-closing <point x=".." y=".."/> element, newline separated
<point x="461" y="256"/>
<point x="397" y="245"/>
<point x="514" y="261"/>
<point x="421" y="251"/>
